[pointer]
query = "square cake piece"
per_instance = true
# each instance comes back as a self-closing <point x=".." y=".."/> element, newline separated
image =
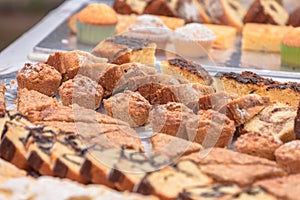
<point x="263" y="37"/>
<point x="122" y="49"/>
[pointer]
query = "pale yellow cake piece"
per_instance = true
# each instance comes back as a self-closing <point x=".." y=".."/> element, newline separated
<point x="225" y="35"/>
<point x="263" y="37"/>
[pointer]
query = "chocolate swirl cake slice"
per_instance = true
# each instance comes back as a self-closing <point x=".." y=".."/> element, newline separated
<point x="277" y="119"/>
<point x="168" y="182"/>
<point x="266" y="11"/>
<point x="252" y="193"/>
<point x="126" y="7"/>
<point x="189" y="70"/>
<point x="122" y="49"/>
<point x="162" y="7"/>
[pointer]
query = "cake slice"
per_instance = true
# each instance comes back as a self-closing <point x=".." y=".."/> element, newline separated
<point x="121" y="75"/>
<point x="128" y="106"/>
<point x="121" y="49"/>
<point x="287" y="187"/>
<point x="243" y="109"/>
<point x="242" y="175"/>
<point x="168" y="182"/>
<point x="172" y="146"/>
<point x="191" y="71"/>
<point x="252" y="193"/>
<point x="225" y="36"/>
<point x="129" y="6"/>
<point x="266" y="11"/>
<point x="178" y="93"/>
<point x="277" y="119"/>
<point x="258" y="144"/>
<point x="69" y="63"/>
<point x="263" y="37"/>
<point x="2" y="100"/>
<point x="132" y="166"/>
<point x="227" y="12"/>
<point x="162" y="7"/>
<point x="210" y="129"/>
<point x="9" y="171"/>
<point x="14" y="143"/>
<point x="33" y="100"/>
<point x="68" y="155"/>
<point x="216" y="191"/>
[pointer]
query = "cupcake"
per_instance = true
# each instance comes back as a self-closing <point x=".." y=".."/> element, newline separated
<point x="193" y="40"/>
<point x="290" y="48"/>
<point x="151" y="28"/>
<point x="95" y="23"/>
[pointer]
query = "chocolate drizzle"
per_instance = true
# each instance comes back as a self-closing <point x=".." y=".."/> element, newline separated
<point x="192" y="67"/>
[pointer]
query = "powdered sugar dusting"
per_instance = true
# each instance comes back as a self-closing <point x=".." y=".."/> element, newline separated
<point x="195" y="31"/>
<point x="32" y="68"/>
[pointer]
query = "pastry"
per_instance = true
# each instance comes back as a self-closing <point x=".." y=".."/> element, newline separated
<point x="210" y="129"/>
<point x="266" y="11"/>
<point x="258" y="144"/>
<point x="40" y="77"/>
<point x="277" y="119"/>
<point x="213" y="101"/>
<point x="294" y="19"/>
<point x="193" y="40"/>
<point x="290" y="48"/>
<point x="263" y="37"/>
<point x="122" y="75"/>
<point x="121" y="49"/>
<point x="225" y="36"/>
<point x="164" y="183"/>
<point x="2" y="100"/>
<point x="243" y="109"/>
<point x="288" y="157"/>
<point x="95" y="23"/>
<point x="170" y="119"/>
<point x="189" y="70"/>
<point x="33" y="100"/>
<point x="130" y="6"/>
<point x="128" y="106"/>
<point x="81" y="90"/>
<point x="227" y="12"/>
<point x="216" y="191"/>
<point x="71" y="62"/>
<point x="177" y="93"/>
<point x="72" y="23"/>
<point x="282" y="188"/>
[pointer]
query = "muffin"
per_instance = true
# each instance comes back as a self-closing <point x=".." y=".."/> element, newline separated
<point x="193" y="40"/>
<point x="82" y="91"/>
<point x="290" y="48"/>
<point x="40" y="77"/>
<point x="151" y="28"/>
<point x="288" y="157"/>
<point x="95" y="23"/>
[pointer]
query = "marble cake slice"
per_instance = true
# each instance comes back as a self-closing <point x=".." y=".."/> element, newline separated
<point x="164" y="183"/>
<point x="68" y="154"/>
<point x="39" y="150"/>
<point x="252" y="193"/>
<point x="14" y="143"/>
<point x="216" y="192"/>
<point x="243" y="109"/>
<point x="122" y="49"/>
<point x="132" y="166"/>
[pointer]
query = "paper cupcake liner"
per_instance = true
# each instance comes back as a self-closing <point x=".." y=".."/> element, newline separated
<point x="91" y="34"/>
<point x="290" y="56"/>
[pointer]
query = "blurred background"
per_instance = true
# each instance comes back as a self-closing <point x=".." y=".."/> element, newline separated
<point x="17" y="16"/>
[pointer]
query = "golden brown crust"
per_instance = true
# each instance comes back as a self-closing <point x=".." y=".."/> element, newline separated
<point x="97" y="14"/>
<point x="257" y="144"/>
